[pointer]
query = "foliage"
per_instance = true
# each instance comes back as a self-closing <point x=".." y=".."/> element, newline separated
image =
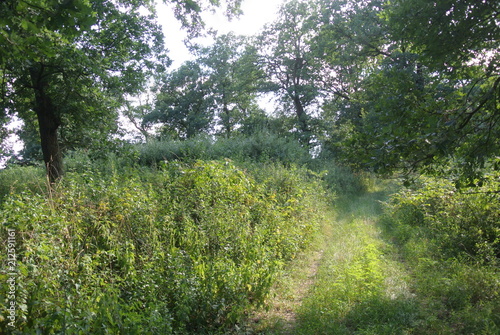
<point x="449" y="239"/>
<point x="234" y="79"/>
<point x="66" y="67"/>
<point x="16" y="179"/>
<point x="424" y="86"/>
<point x="460" y="223"/>
<point x="287" y="60"/>
<point x="182" y="106"/>
<point x="261" y="147"/>
<point x="214" y="93"/>
<point x="189" y="249"/>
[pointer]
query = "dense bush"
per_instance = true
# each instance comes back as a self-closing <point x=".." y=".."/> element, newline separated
<point x="16" y="178"/>
<point x="450" y="240"/>
<point x="188" y="249"/>
<point x="461" y="223"/>
<point x="263" y="147"/>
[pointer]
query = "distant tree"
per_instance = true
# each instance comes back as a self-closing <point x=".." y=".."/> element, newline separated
<point x="290" y="65"/>
<point x="182" y="104"/>
<point x="233" y="78"/>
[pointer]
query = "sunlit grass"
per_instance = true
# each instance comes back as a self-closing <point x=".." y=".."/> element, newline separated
<point x="364" y="276"/>
<point x="350" y="293"/>
<point x="292" y="286"/>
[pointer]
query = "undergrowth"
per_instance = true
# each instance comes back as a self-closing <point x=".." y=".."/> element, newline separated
<point x="190" y="248"/>
<point x="449" y="239"/>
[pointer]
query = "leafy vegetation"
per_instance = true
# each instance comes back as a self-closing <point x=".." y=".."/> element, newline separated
<point x="384" y="266"/>
<point x="186" y="227"/>
<point x="189" y="250"/>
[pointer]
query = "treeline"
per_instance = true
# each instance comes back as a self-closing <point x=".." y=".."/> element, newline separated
<point x="403" y="85"/>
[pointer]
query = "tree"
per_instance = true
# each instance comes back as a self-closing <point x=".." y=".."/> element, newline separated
<point x="233" y="78"/>
<point x="69" y="62"/>
<point x="182" y="104"/>
<point x="425" y="88"/>
<point x="289" y="62"/>
<point x="460" y="41"/>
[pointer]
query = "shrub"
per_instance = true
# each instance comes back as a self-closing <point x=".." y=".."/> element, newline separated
<point x="187" y="250"/>
<point x="263" y="147"/>
<point x="157" y="151"/>
<point x="462" y="223"/>
<point x="15" y="179"/>
<point x="450" y="241"/>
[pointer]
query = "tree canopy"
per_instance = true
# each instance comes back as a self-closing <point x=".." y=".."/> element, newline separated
<point x="402" y="85"/>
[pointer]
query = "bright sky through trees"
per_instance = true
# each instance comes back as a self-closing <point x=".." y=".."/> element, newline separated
<point x="256" y="13"/>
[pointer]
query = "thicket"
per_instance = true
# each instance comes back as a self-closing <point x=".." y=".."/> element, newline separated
<point x="188" y="248"/>
<point x="263" y="147"/>
<point x="450" y="240"/>
<point x="250" y="150"/>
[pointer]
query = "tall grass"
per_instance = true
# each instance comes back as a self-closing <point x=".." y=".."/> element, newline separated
<point x="263" y="147"/>
<point x="16" y="179"/>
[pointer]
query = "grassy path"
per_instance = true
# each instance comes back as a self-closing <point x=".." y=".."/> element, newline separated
<point x="360" y="277"/>
<point x="348" y="284"/>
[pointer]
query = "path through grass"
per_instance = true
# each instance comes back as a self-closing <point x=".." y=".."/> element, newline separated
<point x="357" y="279"/>
<point x="348" y="283"/>
<point x="360" y="288"/>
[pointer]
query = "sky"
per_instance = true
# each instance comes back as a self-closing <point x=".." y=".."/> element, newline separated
<point x="256" y="13"/>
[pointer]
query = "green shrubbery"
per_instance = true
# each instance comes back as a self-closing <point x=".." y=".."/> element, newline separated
<point x="460" y="223"/>
<point x="450" y="240"/>
<point x="258" y="148"/>
<point x="190" y="248"/>
<point x="16" y="179"/>
<point x="263" y="147"/>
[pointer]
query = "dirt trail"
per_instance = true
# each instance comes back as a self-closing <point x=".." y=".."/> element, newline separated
<point x="291" y="289"/>
<point x="290" y="314"/>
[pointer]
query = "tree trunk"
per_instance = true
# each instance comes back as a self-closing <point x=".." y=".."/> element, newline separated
<point x="226" y="120"/>
<point x="48" y="122"/>
<point x="302" y="119"/>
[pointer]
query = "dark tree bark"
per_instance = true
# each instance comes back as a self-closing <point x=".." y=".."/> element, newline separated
<point x="302" y="120"/>
<point x="48" y="122"/>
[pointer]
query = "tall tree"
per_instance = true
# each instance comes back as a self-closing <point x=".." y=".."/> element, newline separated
<point x="182" y="104"/>
<point x="233" y="78"/>
<point x="68" y="62"/>
<point x="289" y="62"/>
<point x="425" y="85"/>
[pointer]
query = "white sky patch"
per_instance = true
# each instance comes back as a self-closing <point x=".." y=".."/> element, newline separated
<point x="12" y="142"/>
<point x="256" y="13"/>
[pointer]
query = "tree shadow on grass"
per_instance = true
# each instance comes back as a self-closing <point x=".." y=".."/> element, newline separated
<point x="377" y="315"/>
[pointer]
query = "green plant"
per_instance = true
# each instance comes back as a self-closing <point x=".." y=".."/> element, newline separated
<point x="16" y="179"/>
<point x="190" y="248"/>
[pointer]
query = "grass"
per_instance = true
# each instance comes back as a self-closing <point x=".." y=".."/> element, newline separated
<point x="344" y="268"/>
<point x="356" y="280"/>
<point x="359" y="288"/>
<point x="291" y="288"/>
